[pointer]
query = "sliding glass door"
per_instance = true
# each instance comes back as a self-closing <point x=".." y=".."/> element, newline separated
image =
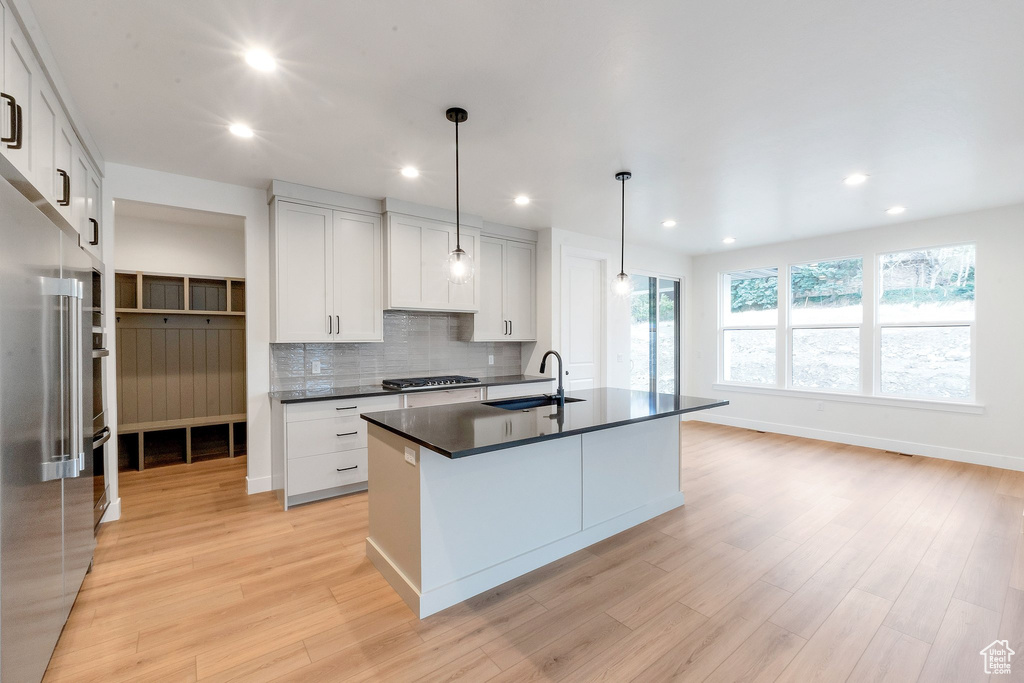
<point x="655" y="320"/>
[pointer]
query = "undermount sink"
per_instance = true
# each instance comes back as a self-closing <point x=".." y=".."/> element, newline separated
<point x="527" y="402"/>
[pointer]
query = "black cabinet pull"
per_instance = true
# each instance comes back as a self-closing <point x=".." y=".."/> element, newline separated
<point x="346" y="469"/>
<point x="66" y="189"/>
<point x="510" y="328"/>
<point x="337" y="325"/>
<point x="95" y="232"/>
<point x="347" y="408"/>
<point x="506" y="328"/>
<point x="348" y="434"/>
<point x="18" y="129"/>
<point x="330" y="323"/>
<point x="13" y="107"/>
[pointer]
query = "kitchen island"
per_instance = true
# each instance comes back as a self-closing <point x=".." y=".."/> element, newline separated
<point x="465" y="497"/>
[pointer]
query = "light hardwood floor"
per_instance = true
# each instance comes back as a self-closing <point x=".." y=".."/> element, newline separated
<point x="793" y="560"/>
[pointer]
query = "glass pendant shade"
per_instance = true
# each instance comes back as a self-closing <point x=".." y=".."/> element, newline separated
<point x="459" y="267"/>
<point x="622" y="285"/>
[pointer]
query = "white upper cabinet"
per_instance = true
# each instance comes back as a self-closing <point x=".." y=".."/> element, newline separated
<point x="20" y="76"/>
<point x="416" y="261"/>
<point x="508" y="291"/>
<point x="357" y="277"/>
<point x="327" y="278"/>
<point x="37" y="137"/>
<point x="304" y="309"/>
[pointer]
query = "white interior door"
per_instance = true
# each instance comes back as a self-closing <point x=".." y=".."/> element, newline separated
<point x="583" y="321"/>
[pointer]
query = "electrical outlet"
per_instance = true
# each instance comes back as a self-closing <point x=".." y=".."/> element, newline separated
<point x="821" y="406"/>
<point x="620" y="357"/>
<point x="490" y="360"/>
<point x="410" y="456"/>
<point x="316" y="367"/>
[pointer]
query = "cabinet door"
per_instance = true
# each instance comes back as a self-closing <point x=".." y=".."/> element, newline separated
<point x="45" y="113"/>
<point x="80" y="197"/>
<point x="63" y="154"/>
<point x="521" y="290"/>
<point x="464" y="297"/>
<point x="404" y="264"/>
<point x="490" y="323"/>
<point x="20" y="72"/>
<point x="433" y="266"/>
<point x="357" y="277"/>
<point x="93" y="224"/>
<point x="304" y="306"/>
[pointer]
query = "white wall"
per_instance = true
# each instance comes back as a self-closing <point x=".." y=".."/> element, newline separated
<point x="555" y="243"/>
<point x="991" y="438"/>
<point x="250" y="204"/>
<point x="159" y="246"/>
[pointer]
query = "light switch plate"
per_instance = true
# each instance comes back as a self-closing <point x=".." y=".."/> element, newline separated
<point x="316" y="367"/>
<point x="490" y="360"/>
<point x="410" y="456"/>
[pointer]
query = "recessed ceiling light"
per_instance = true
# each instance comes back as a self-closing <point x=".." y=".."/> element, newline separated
<point x="261" y="60"/>
<point x="855" y="179"/>
<point x="895" y="210"/>
<point x="241" y="130"/>
<point x="410" y="171"/>
<point x="668" y="223"/>
<point x="728" y="240"/>
<point x="522" y="200"/>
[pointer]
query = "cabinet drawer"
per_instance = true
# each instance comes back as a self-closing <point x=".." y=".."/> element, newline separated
<point x="319" y="472"/>
<point x="515" y="390"/>
<point x="437" y="398"/>
<point x="314" y="437"/>
<point x="318" y="410"/>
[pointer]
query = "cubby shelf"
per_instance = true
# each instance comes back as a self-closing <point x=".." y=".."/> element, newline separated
<point x="139" y="292"/>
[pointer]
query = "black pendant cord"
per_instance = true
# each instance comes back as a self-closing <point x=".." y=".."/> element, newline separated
<point x="622" y="250"/>
<point x="458" y="244"/>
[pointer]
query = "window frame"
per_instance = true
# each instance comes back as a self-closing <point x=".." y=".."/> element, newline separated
<point x="870" y="391"/>
<point x="725" y="299"/>
<point x="860" y="327"/>
<point x="876" y="360"/>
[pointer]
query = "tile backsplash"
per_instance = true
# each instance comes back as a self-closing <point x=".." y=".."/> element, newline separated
<point x="415" y="345"/>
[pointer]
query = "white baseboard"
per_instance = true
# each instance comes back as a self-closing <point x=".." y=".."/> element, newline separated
<point x="113" y="512"/>
<point x="1005" y="462"/>
<point x="425" y="604"/>
<point x="257" y="484"/>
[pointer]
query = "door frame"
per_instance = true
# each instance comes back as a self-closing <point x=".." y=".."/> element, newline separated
<point x="680" y="319"/>
<point x="602" y="259"/>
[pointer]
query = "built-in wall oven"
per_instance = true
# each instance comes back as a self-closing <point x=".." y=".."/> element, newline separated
<point x="100" y="429"/>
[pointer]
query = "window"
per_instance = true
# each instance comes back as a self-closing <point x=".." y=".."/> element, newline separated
<point x="825" y="316"/>
<point x="654" y="335"/>
<point x="926" y="322"/>
<point x="749" y="321"/>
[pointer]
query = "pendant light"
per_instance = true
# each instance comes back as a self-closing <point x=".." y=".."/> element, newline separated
<point x="623" y="285"/>
<point x="460" y="264"/>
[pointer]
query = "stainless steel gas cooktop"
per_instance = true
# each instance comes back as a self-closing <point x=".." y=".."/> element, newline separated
<point x="408" y="383"/>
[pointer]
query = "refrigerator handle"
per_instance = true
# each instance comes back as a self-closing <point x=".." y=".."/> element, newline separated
<point x="70" y="461"/>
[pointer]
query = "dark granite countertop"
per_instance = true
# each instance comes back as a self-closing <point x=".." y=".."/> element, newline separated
<point x="462" y="429"/>
<point x="378" y="390"/>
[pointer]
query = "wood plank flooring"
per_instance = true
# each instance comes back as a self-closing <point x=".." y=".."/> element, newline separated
<point x="793" y="560"/>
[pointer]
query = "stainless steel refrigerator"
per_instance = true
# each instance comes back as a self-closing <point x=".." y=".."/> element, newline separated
<point x="46" y="488"/>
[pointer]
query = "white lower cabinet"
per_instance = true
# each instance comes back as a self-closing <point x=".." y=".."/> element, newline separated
<point x="319" y="447"/>
<point x="327" y="471"/>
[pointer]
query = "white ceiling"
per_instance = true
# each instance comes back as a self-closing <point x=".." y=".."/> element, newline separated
<point x="736" y="118"/>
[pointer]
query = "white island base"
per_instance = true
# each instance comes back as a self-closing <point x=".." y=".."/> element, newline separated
<point x="443" y="530"/>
